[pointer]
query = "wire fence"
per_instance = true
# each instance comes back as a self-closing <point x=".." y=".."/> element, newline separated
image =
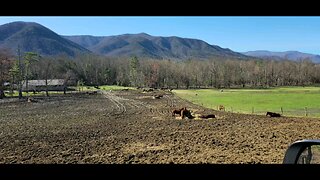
<point x="299" y="112"/>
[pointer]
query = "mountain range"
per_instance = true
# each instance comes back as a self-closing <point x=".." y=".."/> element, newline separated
<point x="152" y="46"/>
<point x="286" y="55"/>
<point x="34" y="37"/>
<point x="31" y="36"/>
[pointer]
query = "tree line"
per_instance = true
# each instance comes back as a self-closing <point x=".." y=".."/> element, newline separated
<point x="142" y="72"/>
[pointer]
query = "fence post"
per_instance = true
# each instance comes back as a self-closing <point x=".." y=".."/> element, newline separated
<point x="306" y="111"/>
<point x="281" y="111"/>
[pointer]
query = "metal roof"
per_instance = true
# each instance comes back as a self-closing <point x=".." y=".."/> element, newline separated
<point x="51" y="82"/>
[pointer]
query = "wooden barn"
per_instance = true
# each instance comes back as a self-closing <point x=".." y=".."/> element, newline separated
<point x="40" y="85"/>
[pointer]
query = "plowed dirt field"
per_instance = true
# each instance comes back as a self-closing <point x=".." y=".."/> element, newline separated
<point x="133" y="127"/>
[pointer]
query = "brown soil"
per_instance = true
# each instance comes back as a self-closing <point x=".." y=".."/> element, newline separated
<point x="133" y="127"/>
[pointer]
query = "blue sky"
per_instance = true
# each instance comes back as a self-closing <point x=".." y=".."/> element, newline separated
<point x="237" y="33"/>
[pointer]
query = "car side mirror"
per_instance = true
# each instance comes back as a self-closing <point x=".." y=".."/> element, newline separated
<point x="303" y="152"/>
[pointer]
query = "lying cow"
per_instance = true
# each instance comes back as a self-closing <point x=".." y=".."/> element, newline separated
<point x="207" y="116"/>
<point x="272" y="114"/>
<point x="178" y="111"/>
<point x="186" y="113"/>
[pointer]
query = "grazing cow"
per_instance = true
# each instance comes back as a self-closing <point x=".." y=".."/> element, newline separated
<point x="208" y="116"/>
<point x="178" y="111"/>
<point x="272" y="114"/>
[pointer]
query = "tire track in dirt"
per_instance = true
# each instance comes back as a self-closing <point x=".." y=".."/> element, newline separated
<point x="153" y="107"/>
<point x="139" y="107"/>
<point x="121" y="108"/>
<point x="126" y="106"/>
<point x="162" y="107"/>
<point x="170" y="101"/>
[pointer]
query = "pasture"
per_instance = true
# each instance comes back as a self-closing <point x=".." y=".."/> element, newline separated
<point x="294" y="101"/>
<point x="131" y="127"/>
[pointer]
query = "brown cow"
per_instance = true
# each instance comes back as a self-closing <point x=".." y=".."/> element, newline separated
<point x="178" y="111"/>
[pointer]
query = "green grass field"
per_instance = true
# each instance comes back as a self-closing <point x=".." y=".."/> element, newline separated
<point x="293" y="100"/>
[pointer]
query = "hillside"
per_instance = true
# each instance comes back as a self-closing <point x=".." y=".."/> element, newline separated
<point x="34" y="37"/>
<point x="145" y="45"/>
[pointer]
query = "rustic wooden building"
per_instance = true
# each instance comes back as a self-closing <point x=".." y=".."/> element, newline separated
<point x="40" y="85"/>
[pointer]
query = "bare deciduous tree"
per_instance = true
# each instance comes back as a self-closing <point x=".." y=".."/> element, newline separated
<point x="6" y="63"/>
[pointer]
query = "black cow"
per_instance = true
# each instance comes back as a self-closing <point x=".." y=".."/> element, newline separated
<point x="272" y="114"/>
<point x="186" y="113"/>
<point x="208" y="116"/>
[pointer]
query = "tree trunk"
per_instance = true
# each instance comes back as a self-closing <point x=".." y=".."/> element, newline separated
<point x="11" y="86"/>
<point x="20" y="93"/>
<point x="2" y="95"/>
<point x="65" y="90"/>
<point x="47" y="93"/>
<point x="27" y="90"/>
